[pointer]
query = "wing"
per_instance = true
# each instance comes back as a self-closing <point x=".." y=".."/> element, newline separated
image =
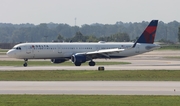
<point x="100" y="53"/>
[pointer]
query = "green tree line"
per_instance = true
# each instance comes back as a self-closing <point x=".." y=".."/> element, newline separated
<point x="118" y="32"/>
<point x="79" y="37"/>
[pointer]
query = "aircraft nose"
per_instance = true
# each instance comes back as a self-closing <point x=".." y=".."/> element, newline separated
<point x="10" y="53"/>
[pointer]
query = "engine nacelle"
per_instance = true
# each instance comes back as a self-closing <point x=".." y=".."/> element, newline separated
<point x="78" y="58"/>
<point x="55" y="61"/>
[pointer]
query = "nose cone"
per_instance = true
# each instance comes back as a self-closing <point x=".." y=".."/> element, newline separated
<point x="10" y="53"/>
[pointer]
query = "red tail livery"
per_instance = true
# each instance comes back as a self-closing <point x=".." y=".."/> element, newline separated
<point x="149" y="33"/>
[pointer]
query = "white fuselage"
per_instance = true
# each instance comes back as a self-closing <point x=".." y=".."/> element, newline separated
<point x="66" y="50"/>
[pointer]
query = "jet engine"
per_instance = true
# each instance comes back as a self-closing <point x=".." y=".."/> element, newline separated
<point x="78" y="59"/>
<point x="55" y="61"/>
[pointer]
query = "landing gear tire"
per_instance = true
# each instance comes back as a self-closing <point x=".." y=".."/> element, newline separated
<point x="77" y="64"/>
<point x="25" y="64"/>
<point x="92" y="63"/>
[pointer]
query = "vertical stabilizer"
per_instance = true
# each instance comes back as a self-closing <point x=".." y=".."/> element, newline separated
<point x="149" y="33"/>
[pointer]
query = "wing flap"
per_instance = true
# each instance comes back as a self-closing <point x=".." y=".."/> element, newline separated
<point x="104" y="52"/>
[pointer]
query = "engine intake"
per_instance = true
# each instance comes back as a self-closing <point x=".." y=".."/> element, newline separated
<point x="78" y="58"/>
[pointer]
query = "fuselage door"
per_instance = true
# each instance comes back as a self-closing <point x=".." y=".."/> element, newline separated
<point x="60" y="52"/>
<point x="97" y="47"/>
<point x="137" y="48"/>
<point x="30" y="51"/>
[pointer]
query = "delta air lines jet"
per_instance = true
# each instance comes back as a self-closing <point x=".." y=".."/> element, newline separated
<point x="79" y="53"/>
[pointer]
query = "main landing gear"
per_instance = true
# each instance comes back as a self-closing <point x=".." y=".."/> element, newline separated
<point x="92" y="63"/>
<point x="25" y="62"/>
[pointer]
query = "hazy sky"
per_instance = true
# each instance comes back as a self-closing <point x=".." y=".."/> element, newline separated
<point x="88" y="11"/>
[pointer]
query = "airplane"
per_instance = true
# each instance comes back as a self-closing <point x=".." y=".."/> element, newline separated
<point x="80" y="53"/>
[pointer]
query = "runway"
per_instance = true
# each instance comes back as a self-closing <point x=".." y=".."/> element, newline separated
<point x="91" y="87"/>
<point x="154" y="60"/>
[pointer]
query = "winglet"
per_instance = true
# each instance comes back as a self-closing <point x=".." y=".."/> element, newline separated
<point x="149" y="33"/>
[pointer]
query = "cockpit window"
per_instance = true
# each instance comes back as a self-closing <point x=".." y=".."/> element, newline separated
<point x="18" y="48"/>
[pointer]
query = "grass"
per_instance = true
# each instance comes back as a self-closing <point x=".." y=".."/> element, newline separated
<point x="3" y="50"/>
<point x="88" y="100"/>
<point x="172" y="57"/>
<point x="76" y="75"/>
<point x="48" y="63"/>
<point x="2" y="53"/>
<point x="170" y="47"/>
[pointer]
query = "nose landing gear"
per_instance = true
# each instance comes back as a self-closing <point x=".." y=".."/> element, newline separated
<point x="25" y="62"/>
